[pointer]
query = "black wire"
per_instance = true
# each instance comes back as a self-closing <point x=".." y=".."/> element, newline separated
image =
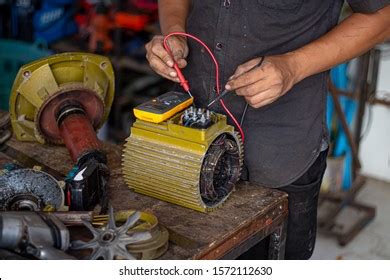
<point x="243" y="114"/>
<point x="243" y="118"/>
<point x="246" y="105"/>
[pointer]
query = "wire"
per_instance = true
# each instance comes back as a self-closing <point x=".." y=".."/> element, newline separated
<point x="216" y="73"/>
<point x="246" y="105"/>
<point x="244" y="113"/>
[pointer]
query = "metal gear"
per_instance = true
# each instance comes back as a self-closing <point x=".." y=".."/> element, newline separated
<point x="29" y="190"/>
<point x="109" y="242"/>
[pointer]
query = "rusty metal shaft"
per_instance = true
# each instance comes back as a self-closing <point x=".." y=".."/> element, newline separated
<point x="78" y="135"/>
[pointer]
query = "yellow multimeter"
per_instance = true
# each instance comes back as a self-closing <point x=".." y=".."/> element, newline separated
<point x="163" y="107"/>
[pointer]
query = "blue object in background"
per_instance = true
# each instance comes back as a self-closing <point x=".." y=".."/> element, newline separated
<point x="55" y="20"/>
<point x="341" y="147"/>
<point x="14" y="54"/>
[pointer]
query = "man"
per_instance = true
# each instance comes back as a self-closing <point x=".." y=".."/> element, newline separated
<point x="286" y="137"/>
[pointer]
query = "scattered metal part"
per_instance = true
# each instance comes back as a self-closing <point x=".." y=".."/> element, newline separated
<point x="29" y="190"/>
<point x="72" y="218"/>
<point x="153" y="248"/>
<point x="24" y="202"/>
<point x="110" y="242"/>
<point x="194" y="168"/>
<point x="63" y="99"/>
<point x="149" y="249"/>
<point x="5" y="127"/>
<point x="34" y="234"/>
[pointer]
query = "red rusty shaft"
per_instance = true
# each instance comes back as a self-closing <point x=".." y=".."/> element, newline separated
<point x="79" y="136"/>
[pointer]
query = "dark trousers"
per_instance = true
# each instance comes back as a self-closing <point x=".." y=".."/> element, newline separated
<point x="302" y="217"/>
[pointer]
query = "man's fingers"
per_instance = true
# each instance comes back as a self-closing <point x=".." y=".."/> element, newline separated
<point x="178" y="54"/>
<point x="246" y="79"/>
<point x="182" y="63"/>
<point x="264" y="102"/>
<point x="243" y="68"/>
<point x="162" y="69"/>
<point x="178" y="46"/>
<point x="254" y="89"/>
<point x="262" y="99"/>
<point x="161" y="60"/>
<point x="158" y="50"/>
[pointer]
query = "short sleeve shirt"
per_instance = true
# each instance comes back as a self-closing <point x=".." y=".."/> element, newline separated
<point x="284" y="138"/>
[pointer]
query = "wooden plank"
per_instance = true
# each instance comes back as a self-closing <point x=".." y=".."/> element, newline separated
<point x="250" y="208"/>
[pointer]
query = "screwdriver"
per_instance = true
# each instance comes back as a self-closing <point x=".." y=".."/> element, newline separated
<point x="220" y="96"/>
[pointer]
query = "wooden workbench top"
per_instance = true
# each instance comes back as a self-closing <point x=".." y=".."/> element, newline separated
<point x="194" y="235"/>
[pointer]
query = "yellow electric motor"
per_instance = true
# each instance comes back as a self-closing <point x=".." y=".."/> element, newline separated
<point x="193" y="159"/>
<point x="43" y="87"/>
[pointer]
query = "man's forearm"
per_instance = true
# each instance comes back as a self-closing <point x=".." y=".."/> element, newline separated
<point x="349" y="39"/>
<point x="173" y="15"/>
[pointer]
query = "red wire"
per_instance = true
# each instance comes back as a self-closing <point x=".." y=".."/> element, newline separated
<point x="216" y="73"/>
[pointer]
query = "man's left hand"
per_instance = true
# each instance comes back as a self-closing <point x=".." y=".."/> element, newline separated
<point x="265" y="84"/>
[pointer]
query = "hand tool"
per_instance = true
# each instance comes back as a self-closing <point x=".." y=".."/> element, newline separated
<point x="163" y="107"/>
<point x="34" y="234"/>
<point x="110" y="242"/>
<point x="222" y="94"/>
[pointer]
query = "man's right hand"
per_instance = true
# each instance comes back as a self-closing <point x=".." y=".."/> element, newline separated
<point x="160" y="60"/>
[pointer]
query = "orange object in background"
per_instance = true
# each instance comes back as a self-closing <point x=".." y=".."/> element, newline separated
<point x="129" y="21"/>
<point x="100" y="27"/>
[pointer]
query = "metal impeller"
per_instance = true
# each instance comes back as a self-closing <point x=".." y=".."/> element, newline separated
<point x="109" y="242"/>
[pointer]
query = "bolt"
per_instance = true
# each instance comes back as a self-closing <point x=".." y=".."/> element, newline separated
<point x="26" y="74"/>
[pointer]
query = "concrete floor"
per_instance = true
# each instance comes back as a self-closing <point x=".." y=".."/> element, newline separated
<point x="371" y="243"/>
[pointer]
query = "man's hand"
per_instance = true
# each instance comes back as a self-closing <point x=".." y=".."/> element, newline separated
<point x="263" y="85"/>
<point x="160" y="60"/>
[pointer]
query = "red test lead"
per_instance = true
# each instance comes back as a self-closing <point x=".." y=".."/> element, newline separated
<point x="184" y="82"/>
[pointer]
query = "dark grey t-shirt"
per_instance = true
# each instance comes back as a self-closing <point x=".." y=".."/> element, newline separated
<point x="284" y="138"/>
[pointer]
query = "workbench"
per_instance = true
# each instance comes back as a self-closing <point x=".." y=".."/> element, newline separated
<point x="248" y="216"/>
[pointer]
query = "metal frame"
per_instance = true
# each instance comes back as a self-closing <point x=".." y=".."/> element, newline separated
<point x="365" y="94"/>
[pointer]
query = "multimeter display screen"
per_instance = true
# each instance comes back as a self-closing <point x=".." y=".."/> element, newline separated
<point x="164" y="103"/>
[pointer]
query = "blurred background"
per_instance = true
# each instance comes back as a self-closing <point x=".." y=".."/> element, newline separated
<point x="30" y="29"/>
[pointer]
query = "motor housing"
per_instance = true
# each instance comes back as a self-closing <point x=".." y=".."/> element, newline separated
<point x="189" y="166"/>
